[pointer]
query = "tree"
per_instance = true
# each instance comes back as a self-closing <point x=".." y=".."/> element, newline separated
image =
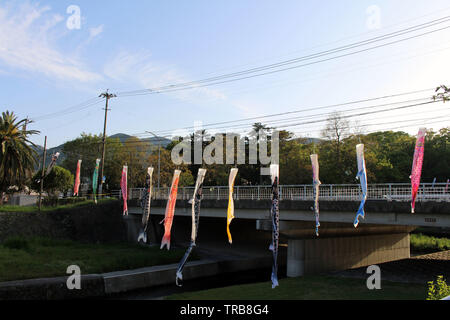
<point x="87" y="147"/>
<point x="442" y="93"/>
<point x="17" y="158"/>
<point x="335" y="131"/>
<point x="58" y="180"/>
<point x="167" y="169"/>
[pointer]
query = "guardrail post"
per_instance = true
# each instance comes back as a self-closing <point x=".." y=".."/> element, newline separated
<point x="258" y="194"/>
<point x="390" y="191"/>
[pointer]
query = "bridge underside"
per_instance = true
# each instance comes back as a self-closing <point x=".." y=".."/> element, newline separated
<point x="339" y="246"/>
<point x="382" y="236"/>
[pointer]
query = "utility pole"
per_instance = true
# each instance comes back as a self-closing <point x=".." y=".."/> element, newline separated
<point x="43" y="172"/>
<point x="159" y="155"/>
<point x="107" y="96"/>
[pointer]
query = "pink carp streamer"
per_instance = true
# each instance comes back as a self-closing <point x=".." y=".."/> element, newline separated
<point x="417" y="166"/>
<point x="76" y="186"/>
<point x="316" y="184"/>
<point x="230" y="210"/>
<point x="123" y="187"/>
<point x="170" y="210"/>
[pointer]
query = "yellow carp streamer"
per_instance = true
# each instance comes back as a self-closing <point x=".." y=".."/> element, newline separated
<point x="230" y="210"/>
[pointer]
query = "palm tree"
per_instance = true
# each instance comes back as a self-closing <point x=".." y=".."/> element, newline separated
<point x="17" y="157"/>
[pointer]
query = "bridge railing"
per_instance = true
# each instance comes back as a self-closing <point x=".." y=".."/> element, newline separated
<point x="328" y="192"/>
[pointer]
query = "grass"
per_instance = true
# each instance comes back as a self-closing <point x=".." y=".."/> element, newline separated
<point x="15" y="208"/>
<point x="310" y="288"/>
<point x="44" y="257"/>
<point x="425" y="244"/>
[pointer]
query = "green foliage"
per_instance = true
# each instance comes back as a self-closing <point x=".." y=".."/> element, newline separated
<point x="58" y="180"/>
<point x="17" y="243"/>
<point x="38" y="257"/>
<point x="309" y="288"/>
<point x="55" y="201"/>
<point x="388" y="157"/>
<point x="17" y="158"/>
<point x="424" y="243"/>
<point x="438" y="290"/>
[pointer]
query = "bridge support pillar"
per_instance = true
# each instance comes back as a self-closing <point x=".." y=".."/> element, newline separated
<point x="316" y="255"/>
<point x="296" y="258"/>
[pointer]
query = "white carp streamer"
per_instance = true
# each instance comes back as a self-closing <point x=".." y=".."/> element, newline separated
<point x="230" y="210"/>
<point x="145" y="204"/>
<point x="316" y="184"/>
<point x="196" y="199"/>
<point x="362" y="176"/>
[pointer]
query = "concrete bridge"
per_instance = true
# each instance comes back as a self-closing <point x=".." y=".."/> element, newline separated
<point x="382" y="236"/>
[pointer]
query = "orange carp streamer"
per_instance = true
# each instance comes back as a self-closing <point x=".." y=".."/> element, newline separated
<point x="76" y="186"/>
<point x="170" y="210"/>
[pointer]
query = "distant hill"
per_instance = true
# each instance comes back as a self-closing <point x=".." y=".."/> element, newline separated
<point x="155" y="141"/>
<point x="309" y="140"/>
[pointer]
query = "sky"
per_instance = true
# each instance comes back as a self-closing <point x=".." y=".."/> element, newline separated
<point x="56" y="57"/>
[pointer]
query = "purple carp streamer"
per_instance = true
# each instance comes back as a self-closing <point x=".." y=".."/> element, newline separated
<point x="316" y="184"/>
<point x="416" y="170"/>
<point x="196" y="199"/>
<point x="275" y="212"/>
<point x="230" y="210"/>
<point x="362" y="177"/>
<point x="124" y="189"/>
<point x="145" y="204"/>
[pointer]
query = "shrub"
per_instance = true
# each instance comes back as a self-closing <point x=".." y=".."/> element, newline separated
<point x="16" y="243"/>
<point x="55" y="201"/>
<point x="439" y="290"/>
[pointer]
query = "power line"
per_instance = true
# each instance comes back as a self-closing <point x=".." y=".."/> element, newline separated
<point x="214" y="80"/>
<point x="296" y="124"/>
<point x="297" y="111"/>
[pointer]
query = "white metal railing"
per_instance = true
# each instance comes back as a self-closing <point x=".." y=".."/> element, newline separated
<point x="330" y="192"/>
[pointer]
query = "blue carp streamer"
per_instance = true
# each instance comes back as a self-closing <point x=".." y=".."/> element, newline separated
<point x="362" y="177"/>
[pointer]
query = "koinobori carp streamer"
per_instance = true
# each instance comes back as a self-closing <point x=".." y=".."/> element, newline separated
<point x="230" y="210"/>
<point x="274" y="173"/>
<point x="76" y="186"/>
<point x="195" y="201"/>
<point x="362" y="177"/>
<point x="316" y="184"/>
<point x="416" y="170"/>
<point x="95" y="179"/>
<point x="170" y="210"/>
<point x="145" y="204"/>
<point x="124" y="189"/>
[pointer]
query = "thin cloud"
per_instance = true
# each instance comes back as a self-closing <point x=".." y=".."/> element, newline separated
<point x="95" y="31"/>
<point x="140" y="70"/>
<point x="26" y="44"/>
